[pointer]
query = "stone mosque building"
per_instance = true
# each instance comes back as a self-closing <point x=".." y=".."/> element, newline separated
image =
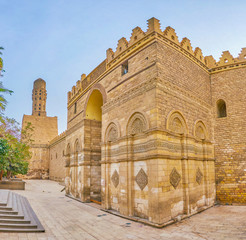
<point x="155" y="131"/>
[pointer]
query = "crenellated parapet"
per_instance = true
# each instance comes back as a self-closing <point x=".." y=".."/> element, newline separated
<point x="227" y="61"/>
<point x="85" y="81"/>
<point x="138" y="40"/>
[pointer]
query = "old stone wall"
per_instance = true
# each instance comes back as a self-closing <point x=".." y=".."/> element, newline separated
<point x="230" y="135"/>
<point x="44" y="130"/>
<point x="57" y="159"/>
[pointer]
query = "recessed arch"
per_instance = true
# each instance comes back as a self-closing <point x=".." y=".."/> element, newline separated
<point x="176" y="122"/>
<point x="221" y="108"/>
<point x="200" y="130"/>
<point x="137" y="123"/>
<point x="94" y="106"/>
<point x="77" y="146"/>
<point x="96" y="98"/>
<point x="111" y="133"/>
<point x="68" y="155"/>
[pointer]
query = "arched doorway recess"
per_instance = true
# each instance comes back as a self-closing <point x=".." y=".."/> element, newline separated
<point x="93" y="129"/>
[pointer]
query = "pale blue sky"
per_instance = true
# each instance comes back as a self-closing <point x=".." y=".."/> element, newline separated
<point x="59" y="40"/>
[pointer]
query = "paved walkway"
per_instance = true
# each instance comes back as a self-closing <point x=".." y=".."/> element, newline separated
<point x="64" y="218"/>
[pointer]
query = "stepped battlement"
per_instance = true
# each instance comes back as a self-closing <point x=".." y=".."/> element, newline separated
<point x="139" y="38"/>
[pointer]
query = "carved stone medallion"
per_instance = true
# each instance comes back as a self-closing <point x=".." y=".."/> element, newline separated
<point x="175" y="178"/>
<point x="115" y="178"/>
<point x="199" y="176"/>
<point x="141" y="179"/>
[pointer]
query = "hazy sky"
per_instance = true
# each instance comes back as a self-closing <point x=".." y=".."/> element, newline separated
<point x="59" y="40"/>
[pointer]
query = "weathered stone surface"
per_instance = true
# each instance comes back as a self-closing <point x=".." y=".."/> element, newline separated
<point x="149" y="112"/>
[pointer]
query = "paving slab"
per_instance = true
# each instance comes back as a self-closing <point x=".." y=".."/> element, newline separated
<point x="64" y="218"/>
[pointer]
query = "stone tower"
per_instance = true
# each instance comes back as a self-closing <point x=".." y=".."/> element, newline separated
<point x="39" y="96"/>
<point x="44" y="130"/>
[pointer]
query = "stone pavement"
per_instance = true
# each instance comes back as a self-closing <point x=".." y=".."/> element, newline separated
<point x="64" y="218"/>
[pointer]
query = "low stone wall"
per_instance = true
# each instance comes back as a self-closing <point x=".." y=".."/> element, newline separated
<point x="13" y="185"/>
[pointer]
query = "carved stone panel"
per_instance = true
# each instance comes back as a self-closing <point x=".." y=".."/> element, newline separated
<point x="137" y="126"/>
<point x="176" y="126"/>
<point x="115" y="178"/>
<point x="199" y="176"/>
<point x="141" y="179"/>
<point x="112" y="135"/>
<point x="175" y="178"/>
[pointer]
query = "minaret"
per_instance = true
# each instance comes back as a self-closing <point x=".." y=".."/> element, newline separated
<point x="39" y="96"/>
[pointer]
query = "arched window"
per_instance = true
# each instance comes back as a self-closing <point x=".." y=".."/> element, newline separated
<point x="221" y="109"/>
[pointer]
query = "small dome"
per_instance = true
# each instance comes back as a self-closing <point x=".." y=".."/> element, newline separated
<point x="39" y="83"/>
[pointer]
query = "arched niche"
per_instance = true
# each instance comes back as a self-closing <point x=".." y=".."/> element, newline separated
<point x="176" y="123"/>
<point x="221" y="108"/>
<point x="68" y="155"/>
<point x="94" y="102"/>
<point x="94" y="106"/>
<point x="76" y="149"/>
<point x="200" y="131"/>
<point x="136" y="124"/>
<point x="111" y="133"/>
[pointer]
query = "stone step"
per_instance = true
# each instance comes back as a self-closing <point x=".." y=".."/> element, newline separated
<point x="14" y="221"/>
<point x="32" y="216"/>
<point x="11" y="216"/>
<point x="8" y="212"/>
<point x="17" y="215"/>
<point x="26" y="230"/>
<point x="16" y="225"/>
<point x="3" y="204"/>
<point x="6" y="208"/>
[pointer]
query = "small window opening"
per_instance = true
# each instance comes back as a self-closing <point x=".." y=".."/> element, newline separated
<point x="39" y="104"/>
<point x="39" y="108"/>
<point x="75" y="108"/>
<point x="244" y="56"/>
<point x="188" y="48"/>
<point x="124" y="68"/>
<point x="172" y="37"/>
<point x="39" y="114"/>
<point x="221" y="109"/>
<point x="120" y="48"/>
<point x="135" y="38"/>
<point x="226" y="60"/>
<point x="40" y="98"/>
<point x="39" y="93"/>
